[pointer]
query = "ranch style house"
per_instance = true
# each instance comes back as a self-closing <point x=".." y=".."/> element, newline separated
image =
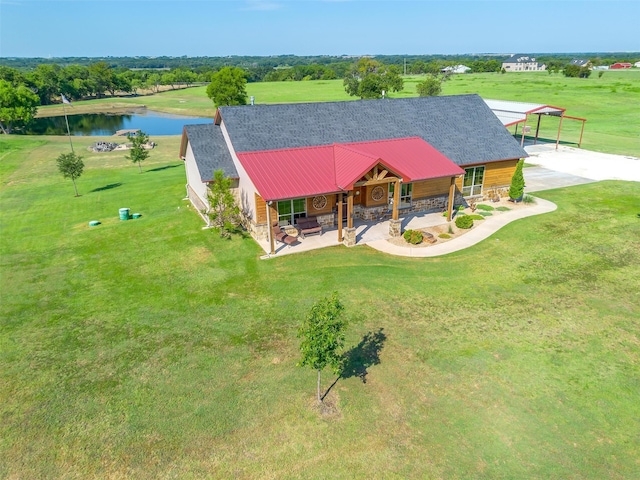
<point x="330" y="163"/>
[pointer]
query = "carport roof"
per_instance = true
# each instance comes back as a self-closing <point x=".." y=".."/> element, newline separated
<point x="511" y="113"/>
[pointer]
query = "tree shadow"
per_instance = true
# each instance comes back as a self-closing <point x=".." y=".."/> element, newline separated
<point x="158" y="169"/>
<point x="106" y="187"/>
<point x="364" y="355"/>
<point x="358" y="359"/>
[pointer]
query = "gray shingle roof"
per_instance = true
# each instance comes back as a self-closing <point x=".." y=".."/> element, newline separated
<point x="210" y="150"/>
<point x="462" y="127"/>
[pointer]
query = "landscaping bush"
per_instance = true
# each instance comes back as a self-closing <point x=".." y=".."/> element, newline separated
<point x="503" y="209"/>
<point x="486" y="214"/>
<point x="414" y="237"/>
<point x="465" y="221"/>
<point x="444" y="235"/>
<point x="528" y="199"/>
<point x="486" y="208"/>
<point x="476" y="217"/>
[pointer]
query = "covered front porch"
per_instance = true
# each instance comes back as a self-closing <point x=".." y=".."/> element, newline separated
<point x="364" y="232"/>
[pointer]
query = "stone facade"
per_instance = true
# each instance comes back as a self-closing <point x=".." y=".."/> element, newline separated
<point x="349" y="237"/>
<point x="395" y="228"/>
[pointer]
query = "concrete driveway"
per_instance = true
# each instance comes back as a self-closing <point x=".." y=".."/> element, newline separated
<point x="569" y="166"/>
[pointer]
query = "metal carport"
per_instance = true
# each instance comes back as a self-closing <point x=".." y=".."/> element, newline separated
<point x="513" y="113"/>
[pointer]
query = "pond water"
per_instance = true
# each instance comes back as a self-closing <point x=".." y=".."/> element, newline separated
<point x="103" y="124"/>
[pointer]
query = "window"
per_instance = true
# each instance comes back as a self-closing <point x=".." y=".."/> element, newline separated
<point x="405" y="194"/>
<point x="290" y="210"/>
<point x="472" y="183"/>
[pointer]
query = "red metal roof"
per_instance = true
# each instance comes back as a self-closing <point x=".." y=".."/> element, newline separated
<point x="307" y="171"/>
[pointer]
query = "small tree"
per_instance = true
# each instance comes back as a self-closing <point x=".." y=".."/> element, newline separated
<point x="138" y="152"/>
<point x="71" y="166"/>
<point x="322" y="334"/>
<point x="516" y="190"/>
<point x="223" y="212"/>
<point x="430" y="87"/>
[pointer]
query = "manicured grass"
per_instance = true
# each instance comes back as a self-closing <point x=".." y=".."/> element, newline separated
<point x="608" y="103"/>
<point x="154" y="349"/>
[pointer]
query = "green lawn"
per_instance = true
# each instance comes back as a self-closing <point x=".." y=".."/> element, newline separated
<point x="154" y="349"/>
<point x="609" y="103"/>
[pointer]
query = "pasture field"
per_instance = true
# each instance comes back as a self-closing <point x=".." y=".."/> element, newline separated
<point x="155" y="349"/>
<point x="609" y="103"/>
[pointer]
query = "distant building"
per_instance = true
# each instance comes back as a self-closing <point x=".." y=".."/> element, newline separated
<point x="578" y="62"/>
<point x="456" y="69"/>
<point x="637" y="64"/>
<point x="522" y="63"/>
<point x="620" y="65"/>
<point x="601" y="67"/>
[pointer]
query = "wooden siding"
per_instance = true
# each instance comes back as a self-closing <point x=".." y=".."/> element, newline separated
<point x="331" y="203"/>
<point x="367" y="201"/>
<point x="496" y="174"/>
<point x="261" y="209"/>
<point x="429" y="188"/>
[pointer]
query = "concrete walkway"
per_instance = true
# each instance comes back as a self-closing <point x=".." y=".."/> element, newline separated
<point x="485" y="229"/>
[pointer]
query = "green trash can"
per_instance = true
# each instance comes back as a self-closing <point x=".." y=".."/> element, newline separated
<point x="124" y="214"/>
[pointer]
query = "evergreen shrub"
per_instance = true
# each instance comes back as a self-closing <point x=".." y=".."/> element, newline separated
<point x="465" y="221"/>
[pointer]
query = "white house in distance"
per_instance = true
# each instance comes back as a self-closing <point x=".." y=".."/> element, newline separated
<point x="522" y="63"/>
<point x="455" y="69"/>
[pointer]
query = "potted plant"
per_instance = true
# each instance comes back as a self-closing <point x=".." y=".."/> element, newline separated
<point x="516" y="190"/>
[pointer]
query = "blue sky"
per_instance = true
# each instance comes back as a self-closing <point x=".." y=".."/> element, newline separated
<point x="314" y="27"/>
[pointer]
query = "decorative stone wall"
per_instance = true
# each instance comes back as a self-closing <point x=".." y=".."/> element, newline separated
<point x="490" y="192"/>
<point x="327" y="220"/>
<point x="436" y="203"/>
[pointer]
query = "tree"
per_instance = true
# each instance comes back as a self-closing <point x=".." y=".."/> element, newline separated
<point x="430" y="87"/>
<point x="368" y="78"/>
<point x="576" y="71"/>
<point x="138" y="152"/>
<point x="228" y="87"/>
<point x="516" y="190"/>
<point x="71" y="166"/>
<point x="223" y="210"/>
<point x="322" y="334"/>
<point x="17" y="105"/>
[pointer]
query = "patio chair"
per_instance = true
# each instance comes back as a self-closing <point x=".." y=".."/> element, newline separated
<point x="281" y="236"/>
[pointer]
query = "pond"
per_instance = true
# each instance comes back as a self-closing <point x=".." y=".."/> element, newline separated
<point x="104" y="124"/>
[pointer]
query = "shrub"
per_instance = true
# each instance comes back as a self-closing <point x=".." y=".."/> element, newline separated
<point x="465" y="221"/>
<point x="476" y="217"/>
<point x="414" y="237"/>
<point x="486" y="208"/>
<point x="516" y="190"/>
<point x="503" y="209"/>
<point x="528" y="199"/>
<point x="486" y="214"/>
<point x="444" y="235"/>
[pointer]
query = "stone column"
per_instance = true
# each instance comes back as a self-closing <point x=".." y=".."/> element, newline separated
<point x="395" y="228"/>
<point x="349" y="237"/>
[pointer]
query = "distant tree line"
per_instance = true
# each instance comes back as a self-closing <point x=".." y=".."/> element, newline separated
<point x="79" y="78"/>
<point x="26" y="83"/>
<point x="256" y="63"/>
